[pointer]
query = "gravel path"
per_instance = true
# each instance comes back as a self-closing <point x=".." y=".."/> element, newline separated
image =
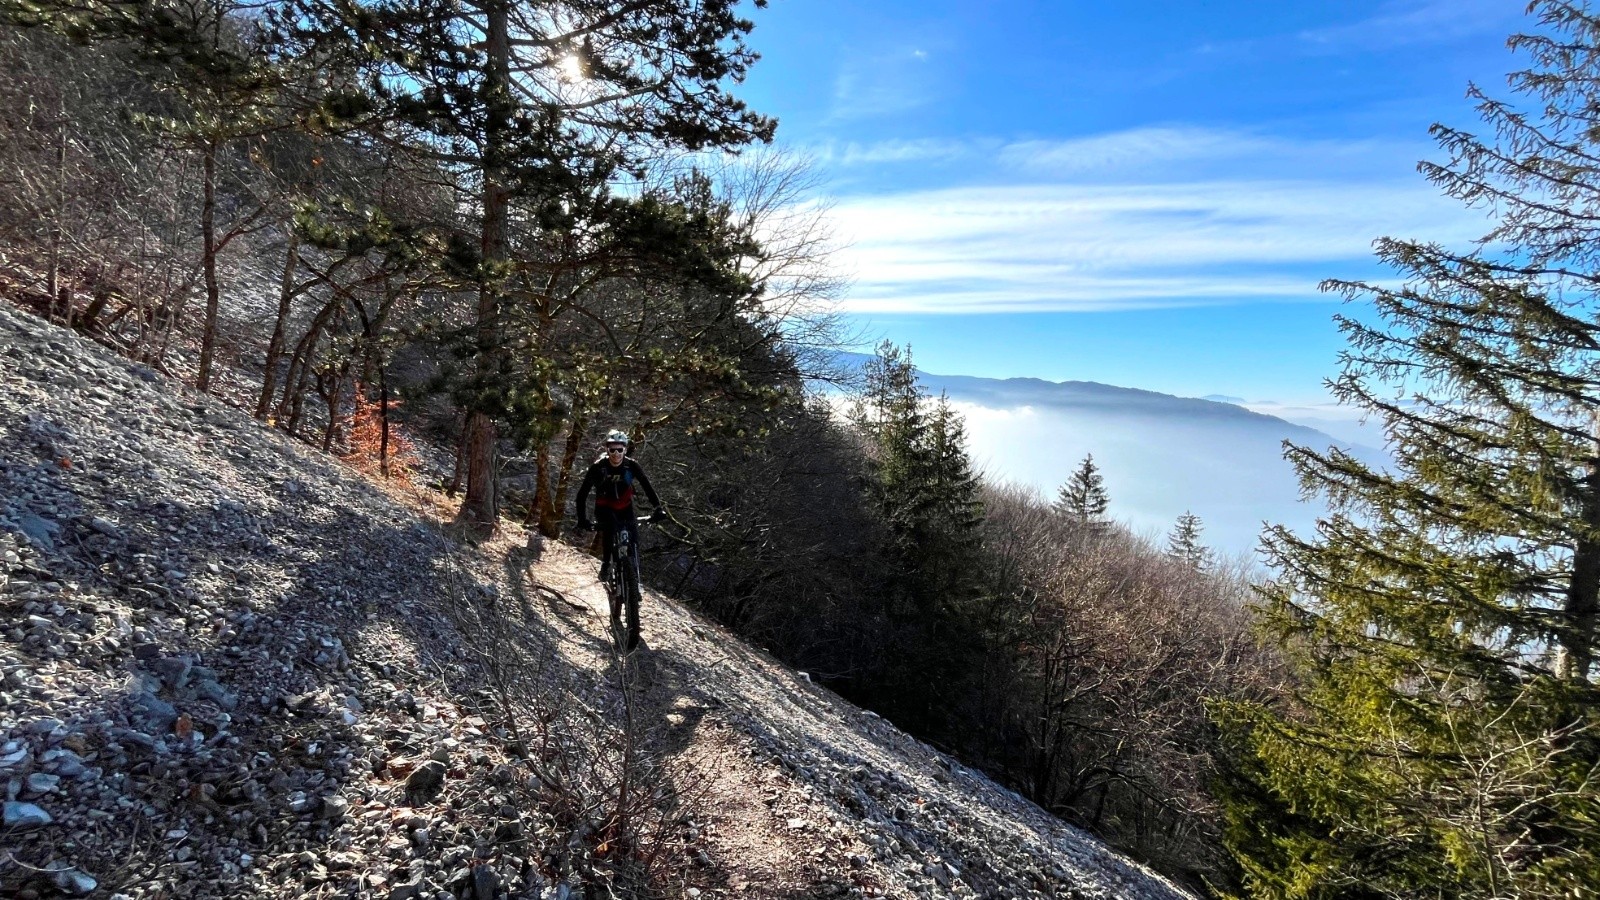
<point x="232" y="667"/>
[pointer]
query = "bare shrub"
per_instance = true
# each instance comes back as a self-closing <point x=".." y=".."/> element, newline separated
<point x="1110" y="649"/>
<point x="604" y="805"/>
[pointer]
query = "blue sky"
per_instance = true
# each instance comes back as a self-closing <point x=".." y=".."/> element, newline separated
<point x="1138" y="194"/>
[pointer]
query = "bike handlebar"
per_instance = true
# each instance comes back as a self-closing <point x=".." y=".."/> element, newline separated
<point x="590" y="526"/>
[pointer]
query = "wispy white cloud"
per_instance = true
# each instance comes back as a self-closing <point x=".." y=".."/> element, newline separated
<point x="1134" y="147"/>
<point x="1396" y="25"/>
<point x="922" y="150"/>
<point x="884" y="83"/>
<point x="1185" y="150"/>
<point x="1151" y="153"/>
<point x="1159" y="216"/>
<point x="1051" y="246"/>
<point x="1399" y="24"/>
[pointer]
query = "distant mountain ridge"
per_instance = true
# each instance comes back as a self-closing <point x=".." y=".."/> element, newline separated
<point x="1161" y="455"/>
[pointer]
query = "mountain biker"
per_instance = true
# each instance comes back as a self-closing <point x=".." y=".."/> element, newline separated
<point x="612" y="478"/>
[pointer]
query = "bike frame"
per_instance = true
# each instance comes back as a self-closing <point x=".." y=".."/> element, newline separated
<point x="623" y="587"/>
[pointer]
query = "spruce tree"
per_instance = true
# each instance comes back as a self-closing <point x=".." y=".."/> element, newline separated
<point x="1083" y="499"/>
<point x="925" y="493"/>
<point x="1184" y="542"/>
<point x="956" y="541"/>
<point x="1443" y="740"/>
<point x="888" y="413"/>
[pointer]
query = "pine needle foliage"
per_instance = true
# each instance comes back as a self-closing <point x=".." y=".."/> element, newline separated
<point x="1083" y="499"/>
<point x="1183" y="543"/>
<point x="1443" y="737"/>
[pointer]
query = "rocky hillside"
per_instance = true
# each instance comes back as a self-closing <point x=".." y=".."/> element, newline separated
<point x="235" y="668"/>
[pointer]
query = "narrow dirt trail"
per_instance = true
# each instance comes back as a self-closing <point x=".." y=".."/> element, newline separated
<point x="807" y="795"/>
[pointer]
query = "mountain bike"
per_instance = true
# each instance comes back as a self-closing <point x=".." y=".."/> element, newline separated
<point x="622" y="588"/>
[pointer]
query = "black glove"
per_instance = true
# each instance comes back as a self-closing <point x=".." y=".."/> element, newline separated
<point x="585" y="525"/>
<point x="659" y="514"/>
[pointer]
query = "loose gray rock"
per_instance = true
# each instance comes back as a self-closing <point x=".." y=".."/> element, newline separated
<point x="426" y="781"/>
<point x="73" y="883"/>
<point x="42" y="532"/>
<point x="174" y="670"/>
<point x="150" y="713"/>
<point x="333" y="808"/>
<point x="25" y="815"/>
<point x="485" y="883"/>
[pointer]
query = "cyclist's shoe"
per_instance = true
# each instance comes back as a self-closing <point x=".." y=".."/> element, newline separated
<point x="605" y="571"/>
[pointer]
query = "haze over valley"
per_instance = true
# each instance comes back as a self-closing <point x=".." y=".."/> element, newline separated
<point x="1161" y="455"/>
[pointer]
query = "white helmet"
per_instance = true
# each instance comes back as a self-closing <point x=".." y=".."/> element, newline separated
<point x="616" y="437"/>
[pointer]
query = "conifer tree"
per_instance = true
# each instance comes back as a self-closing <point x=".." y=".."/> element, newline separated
<point x="1184" y="541"/>
<point x="1445" y="737"/>
<point x="926" y="495"/>
<point x="537" y="108"/>
<point x="889" y="414"/>
<point x="1083" y="499"/>
<point x="955" y="539"/>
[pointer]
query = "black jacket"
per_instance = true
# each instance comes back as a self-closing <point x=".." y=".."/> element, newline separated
<point x="614" y="485"/>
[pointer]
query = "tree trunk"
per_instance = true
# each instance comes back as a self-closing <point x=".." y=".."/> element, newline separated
<point x="480" y="508"/>
<point x="294" y="385"/>
<point x="208" y="259"/>
<point x="100" y="291"/>
<point x="1583" y="591"/>
<point x="569" y="455"/>
<point x="543" y="496"/>
<point x="280" y="327"/>
<point x="461" y="461"/>
<point x="53" y="273"/>
<point x="294" y="396"/>
<point x="383" y="421"/>
<point x="335" y="402"/>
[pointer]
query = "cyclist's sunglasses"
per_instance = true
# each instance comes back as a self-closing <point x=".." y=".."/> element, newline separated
<point x="616" y="449"/>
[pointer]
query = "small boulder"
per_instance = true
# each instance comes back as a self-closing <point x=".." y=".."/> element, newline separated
<point x="73" y="882"/>
<point x="426" y="781"/>
<point x="25" y="815"/>
<point x="150" y="713"/>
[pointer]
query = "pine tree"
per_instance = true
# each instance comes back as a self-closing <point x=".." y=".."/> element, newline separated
<point x="537" y="109"/>
<point x="1184" y="541"/>
<point x="1083" y="499"/>
<point x="1445" y="739"/>
<point x="958" y="512"/>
